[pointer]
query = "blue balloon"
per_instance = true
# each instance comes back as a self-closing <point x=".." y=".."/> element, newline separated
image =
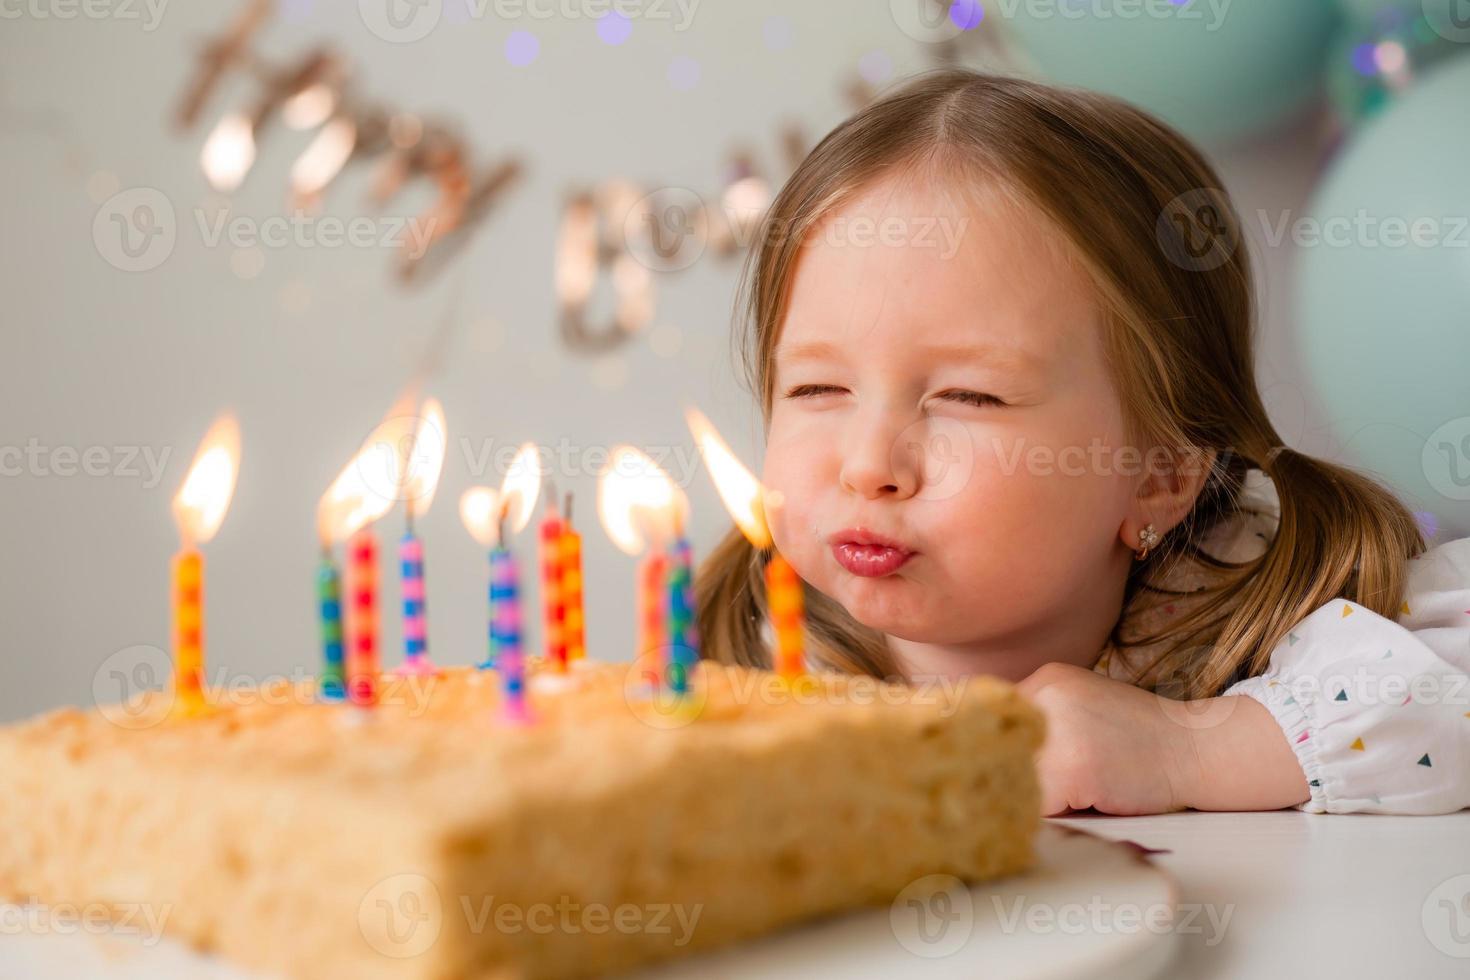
<point x="1383" y="302"/>
<point x="1216" y="70"/>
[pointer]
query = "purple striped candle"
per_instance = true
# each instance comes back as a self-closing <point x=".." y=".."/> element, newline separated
<point x="415" y="622"/>
<point x="505" y="632"/>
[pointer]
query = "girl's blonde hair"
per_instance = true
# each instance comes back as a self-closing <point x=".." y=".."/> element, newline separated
<point x="1148" y="223"/>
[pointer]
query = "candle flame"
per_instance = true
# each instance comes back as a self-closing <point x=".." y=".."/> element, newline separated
<point x="370" y="483"/>
<point x="200" y="505"/>
<point x="637" y="502"/>
<point x="742" y="493"/>
<point x="425" y="461"/>
<point x="521" y="486"/>
<point x="479" y="508"/>
<point x="229" y="152"/>
<point x="483" y="509"/>
<point x="309" y="107"/>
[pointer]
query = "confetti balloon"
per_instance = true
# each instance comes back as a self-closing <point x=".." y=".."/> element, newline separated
<point x="1383" y="307"/>
<point x="1217" y="71"/>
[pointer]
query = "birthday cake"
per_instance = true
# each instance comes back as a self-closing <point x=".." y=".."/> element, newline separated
<point x="428" y="838"/>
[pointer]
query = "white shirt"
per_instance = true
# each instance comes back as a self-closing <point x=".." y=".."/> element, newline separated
<point x="1376" y="710"/>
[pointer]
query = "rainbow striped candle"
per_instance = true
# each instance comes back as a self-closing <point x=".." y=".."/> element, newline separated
<point x="362" y="618"/>
<point x="505" y="631"/>
<point x="332" y="685"/>
<point x="683" y="630"/>
<point x="652" y="610"/>
<point x="415" y="625"/>
<point x="788" y="616"/>
<point x="189" y="632"/>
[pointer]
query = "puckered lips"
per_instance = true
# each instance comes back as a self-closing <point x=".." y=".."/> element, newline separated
<point x="867" y="553"/>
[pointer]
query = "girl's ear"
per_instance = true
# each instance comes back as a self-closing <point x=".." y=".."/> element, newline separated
<point x="1167" y="491"/>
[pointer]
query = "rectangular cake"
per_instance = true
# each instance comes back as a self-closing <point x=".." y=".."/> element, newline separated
<point x="429" y="839"/>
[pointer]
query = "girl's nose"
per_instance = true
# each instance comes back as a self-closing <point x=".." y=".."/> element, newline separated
<point x="875" y="465"/>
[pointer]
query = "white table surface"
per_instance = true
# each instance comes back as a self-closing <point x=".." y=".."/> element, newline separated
<point x="1313" y="895"/>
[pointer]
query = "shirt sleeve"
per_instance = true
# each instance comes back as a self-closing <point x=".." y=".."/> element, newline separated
<point x="1378" y="710"/>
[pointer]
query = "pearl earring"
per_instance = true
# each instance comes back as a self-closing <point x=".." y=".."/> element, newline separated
<point x="1147" y="538"/>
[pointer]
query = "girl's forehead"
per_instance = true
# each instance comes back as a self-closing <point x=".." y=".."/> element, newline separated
<point x="906" y="264"/>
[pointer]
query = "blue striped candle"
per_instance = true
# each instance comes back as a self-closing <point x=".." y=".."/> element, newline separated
<point x="332" y="685"/>
<point x="682" y="627"/>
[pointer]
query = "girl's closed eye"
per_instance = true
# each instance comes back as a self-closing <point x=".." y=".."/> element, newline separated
<point x="965" y="396"/>
<point x="814" y="390"/>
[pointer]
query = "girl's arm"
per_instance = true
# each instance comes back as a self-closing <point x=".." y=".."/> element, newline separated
<point x="1377" y="712"/>
<point x="1356" y="713"/>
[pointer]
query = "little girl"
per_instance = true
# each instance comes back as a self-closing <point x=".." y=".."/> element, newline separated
<point x="1001" y="337"/>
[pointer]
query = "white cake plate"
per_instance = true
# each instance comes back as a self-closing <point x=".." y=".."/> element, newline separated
<point x="1090" y="908"/>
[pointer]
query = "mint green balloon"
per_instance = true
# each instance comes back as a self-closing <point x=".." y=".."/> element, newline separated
<point x="1217" y="70"/>
<point x="1383" y="301"/>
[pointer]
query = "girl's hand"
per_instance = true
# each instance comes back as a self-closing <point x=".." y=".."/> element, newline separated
<point x="1124" y="750"/>
<point x="1109" y="745"/>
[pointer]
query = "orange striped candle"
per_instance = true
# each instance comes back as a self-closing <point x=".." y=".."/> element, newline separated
<point x="653" y="590"/>
<point x="553" y="603"/>
<point x="788" y="616"/>
<point x="189" y="632"/>
<point x="362" y="618"/>
<point x="574" y="623"/>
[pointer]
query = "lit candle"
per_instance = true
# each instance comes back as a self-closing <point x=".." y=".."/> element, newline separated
<point x="486" y="514"/>
<point x="747" y="501"/>
<point x="199" y="508"/>
<point x="362" y="493"/>
<point x="422" y="467"/>
<point x="640" y="508"/>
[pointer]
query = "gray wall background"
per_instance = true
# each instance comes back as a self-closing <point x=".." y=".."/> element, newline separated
<point x="311" y="350"/>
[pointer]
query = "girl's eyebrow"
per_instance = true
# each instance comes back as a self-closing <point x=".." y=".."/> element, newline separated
<point x="1013" y="358"/>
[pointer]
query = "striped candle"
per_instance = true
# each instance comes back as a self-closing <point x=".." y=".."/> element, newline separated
<point x="415" y="626"/>
<point x="683" y="630"/>
<point x="553" y="602"/>
<point x="788" y="616"/>
<point x="652" y="609"/>
<point x="575" y="636"/>
<point x="362" y="618"/>
<point x="332" y="685"/>
<point x="189" y="632"/>
<point x="505" y="631"/>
